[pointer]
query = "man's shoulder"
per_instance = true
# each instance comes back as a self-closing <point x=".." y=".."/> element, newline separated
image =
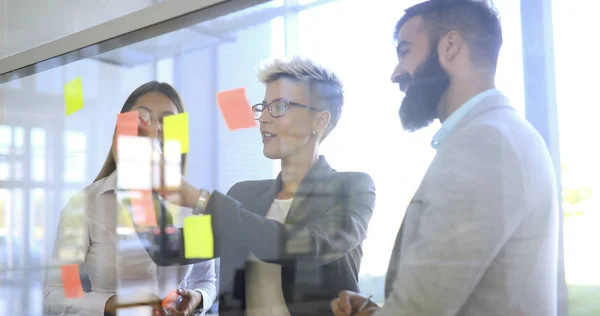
<point x="499" y="126"/>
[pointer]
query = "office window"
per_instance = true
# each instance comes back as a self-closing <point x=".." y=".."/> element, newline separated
<point x="576" y="68"/>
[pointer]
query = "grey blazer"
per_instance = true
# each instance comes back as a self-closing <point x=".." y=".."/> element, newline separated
<point x="480" y="236"/>
<point x="318" y="247"/>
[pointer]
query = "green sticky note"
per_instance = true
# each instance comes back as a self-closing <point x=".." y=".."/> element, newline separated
<point x="175" y="127"/>
<point x="198" y="237"/>
<point x="73" y="96"/>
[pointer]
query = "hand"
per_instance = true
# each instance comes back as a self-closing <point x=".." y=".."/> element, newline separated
<point x="139" y="299"/>
<point x="348" y="303"/>
<point x="173" y="186"/>
<point x="183" y="303"/>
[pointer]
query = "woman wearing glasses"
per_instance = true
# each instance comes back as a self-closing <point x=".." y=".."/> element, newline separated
<point x="288" y="246"/>
<point x="88" y="231"/>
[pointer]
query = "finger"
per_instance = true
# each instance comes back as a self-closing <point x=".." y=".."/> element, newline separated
<point x="174" y="312"/>
<point x="344" y="302"/>
<point x="158" y="310"/>
<point x="183" y="292"/>
<point x="185" y="303"/>
<point x="335" y="308"/>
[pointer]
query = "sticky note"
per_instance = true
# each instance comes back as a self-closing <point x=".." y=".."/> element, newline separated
<point x="73" y="92"/>
<point x="175" y="127"/>
<point x="170" y="298"/>
<point x="198" y="237"/>
<point x="127" y="124"/>
<point x="235" y="109"/>
<point x="134" y="163"/>
<point x="143" y="211"/>
<point x="71" y="281"/>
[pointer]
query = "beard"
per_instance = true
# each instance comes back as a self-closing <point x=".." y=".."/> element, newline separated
<point x="425" y="90"/>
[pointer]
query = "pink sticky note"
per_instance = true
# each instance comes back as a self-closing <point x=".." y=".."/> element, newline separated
<point x="71" y="281"/>
<point x="127" y="124"/>
<point x="235" y="109"/>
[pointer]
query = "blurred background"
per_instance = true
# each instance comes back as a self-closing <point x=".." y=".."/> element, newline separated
<point x="547" y="67"/>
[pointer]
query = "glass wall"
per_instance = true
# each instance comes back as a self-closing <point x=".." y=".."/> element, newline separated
<point x="47" y="157"/>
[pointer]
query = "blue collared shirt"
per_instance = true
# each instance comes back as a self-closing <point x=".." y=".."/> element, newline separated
<point x="450" y="123"/>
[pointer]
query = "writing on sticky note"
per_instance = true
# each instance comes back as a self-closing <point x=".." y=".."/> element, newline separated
<point x="71" y="281"/>
<point x="175" y="127"/>
<point x="235" y="109"/>
<point x="73" y="92"/>
<point x="198" y="237"/>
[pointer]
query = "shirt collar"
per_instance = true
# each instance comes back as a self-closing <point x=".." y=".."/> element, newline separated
<point x="452" y="121"/>
<point x="109" y="183"/>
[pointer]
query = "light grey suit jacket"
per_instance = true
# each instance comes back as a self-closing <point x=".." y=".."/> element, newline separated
<point x="480" y="236"/>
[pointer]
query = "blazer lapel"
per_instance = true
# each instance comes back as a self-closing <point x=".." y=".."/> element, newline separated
<point x="310" y="182"/>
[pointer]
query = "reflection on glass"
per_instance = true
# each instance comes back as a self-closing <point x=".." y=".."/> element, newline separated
<point x="75" y="156"/>
<point x="18" y="170"/>
<point x="5" y="139"/>
<point x="38" y="204"/>
<point x="4" y="169"/>
<point x="19" y="140"/>
<point x="73" y="233"/>
<point x="38" y="154"/>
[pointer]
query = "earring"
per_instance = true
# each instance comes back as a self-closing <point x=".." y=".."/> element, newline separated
<point x="314" y="133"/>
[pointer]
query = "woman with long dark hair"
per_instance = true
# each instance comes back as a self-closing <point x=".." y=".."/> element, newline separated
<point x="94" y="214"/>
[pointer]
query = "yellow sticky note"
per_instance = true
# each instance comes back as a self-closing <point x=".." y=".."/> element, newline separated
<point x="175" y="127"/>
<point x="73" y="96"/>
<point x="198" y="237"/>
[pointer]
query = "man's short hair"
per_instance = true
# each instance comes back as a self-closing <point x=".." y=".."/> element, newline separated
<point x="477" y="21"/>
<point x="324" y="85"/>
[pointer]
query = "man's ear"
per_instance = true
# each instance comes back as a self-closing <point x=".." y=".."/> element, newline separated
<point x="449" y="47"/>
<point x="321" y="121"/>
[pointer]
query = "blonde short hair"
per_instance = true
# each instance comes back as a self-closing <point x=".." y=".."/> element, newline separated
<point x="325" y="86"/>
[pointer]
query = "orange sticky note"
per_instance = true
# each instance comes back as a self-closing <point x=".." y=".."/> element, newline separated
<point x="175" y="128"/>
<point x="143" y="208"/>
<point x="235" y="109"/>
<point x="198" y="240"/>
<point x="73" y="92"/>
<point x="127" y="124"/>
<point x="71" y="281"/>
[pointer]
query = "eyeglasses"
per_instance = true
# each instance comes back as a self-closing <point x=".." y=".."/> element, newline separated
<point x="145" y="118"/>
<point x="277" y="107"/>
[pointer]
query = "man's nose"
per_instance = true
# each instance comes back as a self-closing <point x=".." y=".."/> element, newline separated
<point x="396" y="74"/>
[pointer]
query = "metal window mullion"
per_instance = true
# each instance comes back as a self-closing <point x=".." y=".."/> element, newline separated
<point x="540" y="102"/>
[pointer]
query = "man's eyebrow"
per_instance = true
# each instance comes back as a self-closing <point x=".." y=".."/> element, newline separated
<point x="401" y="45"/>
